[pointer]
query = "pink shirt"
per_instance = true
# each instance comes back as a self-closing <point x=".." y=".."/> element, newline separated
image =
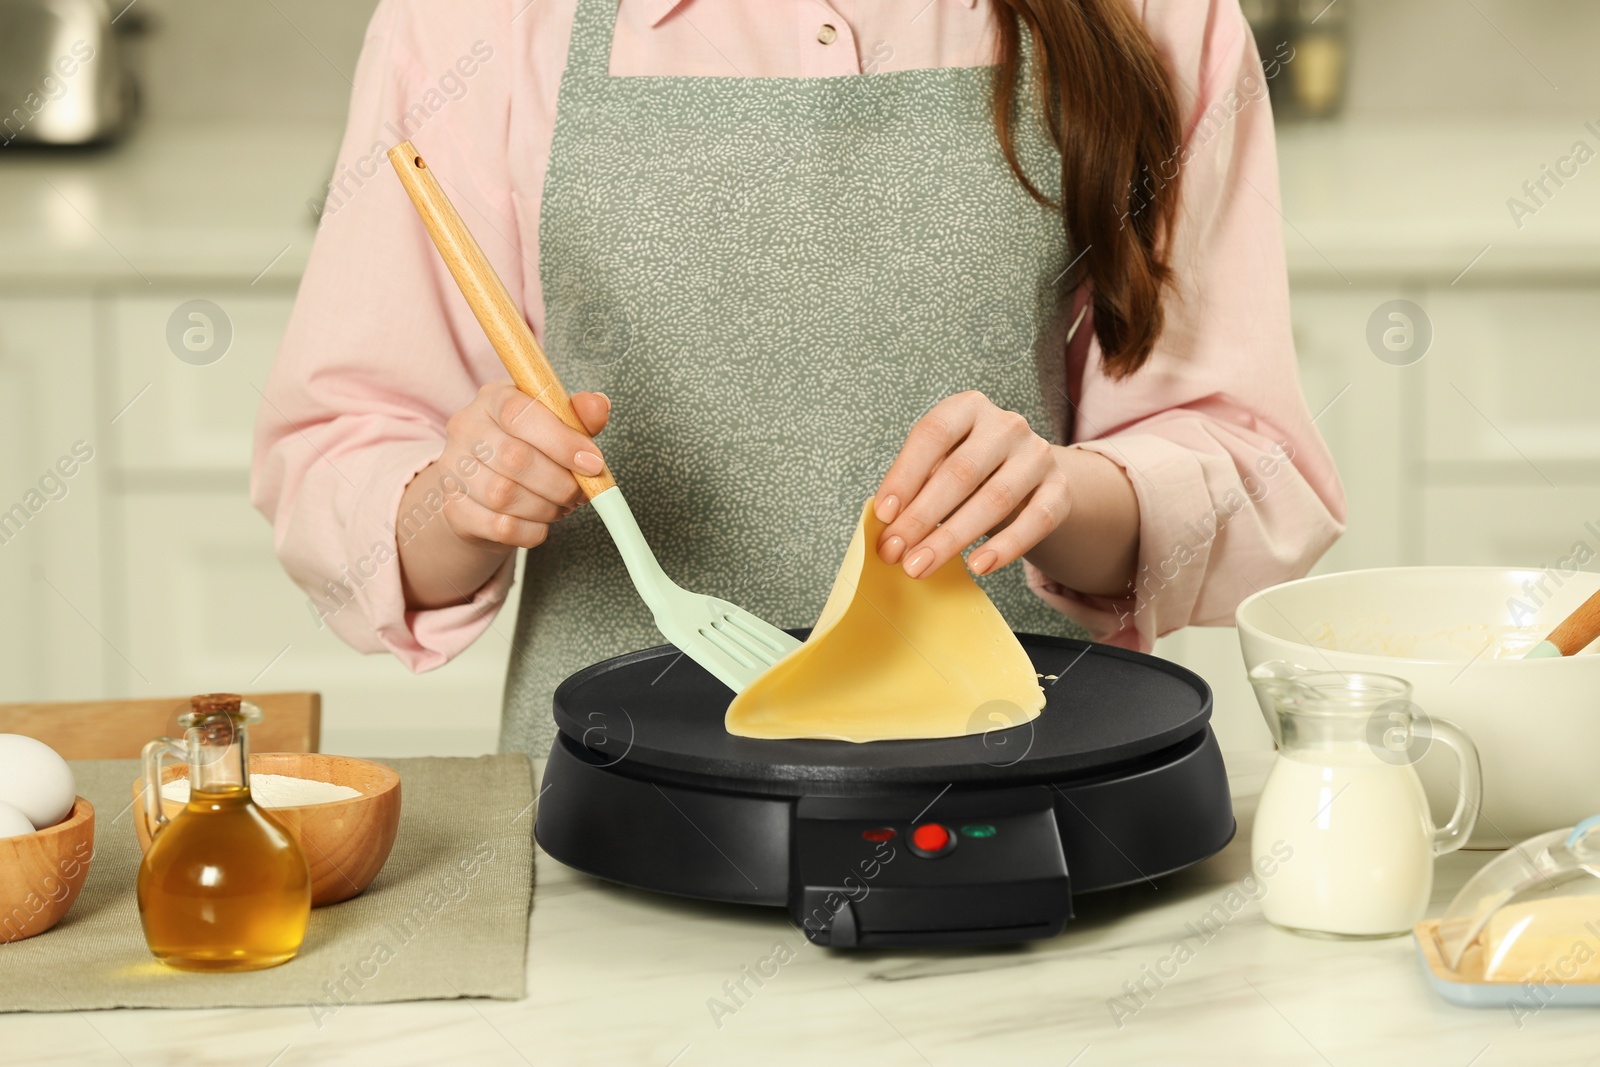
<point x="1236" y="489"/>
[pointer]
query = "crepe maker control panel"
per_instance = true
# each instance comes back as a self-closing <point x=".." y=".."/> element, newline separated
<point x="980" y="868"/>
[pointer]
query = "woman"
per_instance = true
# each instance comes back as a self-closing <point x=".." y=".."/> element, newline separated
<point x="1024" y="277"/>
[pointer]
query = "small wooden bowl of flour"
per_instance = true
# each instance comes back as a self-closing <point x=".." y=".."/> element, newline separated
<point x="343" y="811"/>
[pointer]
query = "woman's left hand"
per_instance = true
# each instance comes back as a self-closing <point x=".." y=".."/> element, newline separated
<point x="970" y="468"/>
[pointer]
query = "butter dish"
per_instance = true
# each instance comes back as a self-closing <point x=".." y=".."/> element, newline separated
<point x="1526" y="928"/>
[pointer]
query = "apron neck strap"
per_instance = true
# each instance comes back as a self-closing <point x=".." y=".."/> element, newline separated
<point x="589" y="48"/>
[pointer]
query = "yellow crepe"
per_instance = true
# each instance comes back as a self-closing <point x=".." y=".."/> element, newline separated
<point x="894" y="657"/>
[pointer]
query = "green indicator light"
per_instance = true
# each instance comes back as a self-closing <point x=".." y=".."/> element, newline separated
<point x="977" y="830"/>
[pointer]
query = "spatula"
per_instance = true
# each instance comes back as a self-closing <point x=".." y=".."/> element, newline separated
<point x="1573" y="634"/>
<point x="729" y="642"/>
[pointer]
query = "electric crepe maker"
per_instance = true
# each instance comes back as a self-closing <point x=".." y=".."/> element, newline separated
<point x="950" y="841"/>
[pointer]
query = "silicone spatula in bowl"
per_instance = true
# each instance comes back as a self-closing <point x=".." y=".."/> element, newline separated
<point x="729" y="642"/>
<point x="1573" y="634"/>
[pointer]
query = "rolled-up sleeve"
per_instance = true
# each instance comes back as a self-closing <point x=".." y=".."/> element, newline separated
<point x="380" y="348"/>
<point x="1236" y="489"/>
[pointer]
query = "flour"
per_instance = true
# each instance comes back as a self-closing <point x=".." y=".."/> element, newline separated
<point x="275" y="791"/>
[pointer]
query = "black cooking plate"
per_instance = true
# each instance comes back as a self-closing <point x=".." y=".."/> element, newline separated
<point x="657" y="709"/>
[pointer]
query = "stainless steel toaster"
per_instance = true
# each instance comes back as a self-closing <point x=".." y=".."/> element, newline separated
<point x="63" y="75"/>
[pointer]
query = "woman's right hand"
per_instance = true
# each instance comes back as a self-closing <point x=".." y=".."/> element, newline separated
<point x="504" y="477"/>
<point x="528" y="457"/>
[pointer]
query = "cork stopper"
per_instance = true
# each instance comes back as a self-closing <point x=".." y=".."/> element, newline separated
<point x="215" y="703"/>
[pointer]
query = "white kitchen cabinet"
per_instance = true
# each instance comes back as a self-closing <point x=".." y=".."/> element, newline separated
<point x="1360" y="404"/>
<point x="1511" y="386"/>
<point x="197" y="600"/>
<point x="152" y="574"/>
<point x="209" y="608"/>
<point x="1512" y="526"/>
<point x="192" y="416"/>
<point x="51" y="640"/>
<point x="1511" y="449"/>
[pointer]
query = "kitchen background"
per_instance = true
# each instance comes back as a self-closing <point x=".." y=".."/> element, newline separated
<point x="147" y="573"/>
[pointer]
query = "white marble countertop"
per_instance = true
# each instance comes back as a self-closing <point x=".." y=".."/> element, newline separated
<point x="1362" y="202"/>
<point x="622" y="976"/>
<point x="1422" y="203"/>
<point x="184" y="201"/>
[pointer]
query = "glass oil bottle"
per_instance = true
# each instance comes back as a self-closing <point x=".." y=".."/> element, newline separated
<point x="223" y="886"/>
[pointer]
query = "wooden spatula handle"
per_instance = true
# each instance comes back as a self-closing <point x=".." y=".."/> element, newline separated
<point x="486" y="294"/>
<point x="1574" y="633"/>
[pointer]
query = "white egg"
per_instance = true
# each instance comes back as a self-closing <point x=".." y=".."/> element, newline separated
<point x="35" y="781"/>
<point x="12" y="822"/>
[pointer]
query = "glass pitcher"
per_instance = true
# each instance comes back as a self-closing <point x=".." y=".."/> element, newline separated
<point x="1343" y="825"/>
<point x="223" y="887"/>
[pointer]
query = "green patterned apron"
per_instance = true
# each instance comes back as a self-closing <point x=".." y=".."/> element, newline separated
<point x="772" y="278"/>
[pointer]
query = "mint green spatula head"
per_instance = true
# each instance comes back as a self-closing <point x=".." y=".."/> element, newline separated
<point x="1543" y="650"/>
<point x="729" y="642"/>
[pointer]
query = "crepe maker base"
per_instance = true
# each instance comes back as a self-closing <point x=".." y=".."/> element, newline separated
<point x="1118" y="780"/>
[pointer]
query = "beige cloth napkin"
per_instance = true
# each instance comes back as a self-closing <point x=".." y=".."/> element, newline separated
<point x="425" y="929"/>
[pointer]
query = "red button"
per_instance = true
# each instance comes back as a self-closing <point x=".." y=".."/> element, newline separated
<point x="930" y="837"/>
<point x="882" y="833"/>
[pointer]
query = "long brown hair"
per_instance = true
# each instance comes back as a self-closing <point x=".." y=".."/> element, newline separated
<point x="1112" y="113"/>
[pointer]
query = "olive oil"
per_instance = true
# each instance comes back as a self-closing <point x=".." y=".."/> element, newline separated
<point x="224" y="887"/>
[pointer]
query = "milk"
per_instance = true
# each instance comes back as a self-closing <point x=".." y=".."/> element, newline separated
<point x="1362" y="841"/>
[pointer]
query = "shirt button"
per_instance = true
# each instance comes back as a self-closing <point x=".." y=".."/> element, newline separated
<point x="827" y="35"/>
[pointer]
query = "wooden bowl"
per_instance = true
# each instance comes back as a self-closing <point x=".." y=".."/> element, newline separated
<point x="345" y="841"/>
<point x="42" y="872"/>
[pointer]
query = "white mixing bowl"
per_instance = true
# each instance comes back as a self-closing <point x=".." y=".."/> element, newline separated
<point x="1457" y="634"/>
